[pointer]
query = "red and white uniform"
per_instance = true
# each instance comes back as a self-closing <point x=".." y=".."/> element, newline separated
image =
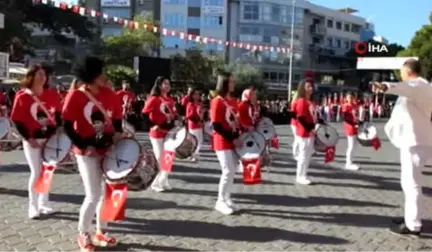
<point x="195" y="119"/>
<point x="127" y="98"/>
<point x="350" y="126"/>
<point x="32" y="122"/>
<point x="246" y="111"/>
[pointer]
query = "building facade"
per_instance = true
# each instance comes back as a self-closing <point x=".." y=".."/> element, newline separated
<point x="205" y="18"/>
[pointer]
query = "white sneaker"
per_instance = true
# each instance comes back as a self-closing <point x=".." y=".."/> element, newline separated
<point x="230" y="203"/>
<point x="33" y="212"/>
<point x="223" y="208"/>
<point x="352" y="167"/>
<point x="303" y="181"/>
<point x="157" y="188"/>
<point x="193" y="160"/>
<point x="46" y="210"/>
<point x="166" y="186"/>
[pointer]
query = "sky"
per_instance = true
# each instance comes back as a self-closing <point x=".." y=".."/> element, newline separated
<point x="395" y="20"/>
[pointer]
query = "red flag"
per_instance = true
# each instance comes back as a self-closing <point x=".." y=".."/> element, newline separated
<point x="329" y="154"/>
<point x="275" y="142"/>
<point x="114" y="205"/>
<point x="376" y="143"/>
<point x="251" y="172"/>
<point x="44" y="181"/>
<point x="167" y="160"/>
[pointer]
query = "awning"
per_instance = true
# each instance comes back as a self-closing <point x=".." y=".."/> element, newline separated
<point x="18" y="70"/>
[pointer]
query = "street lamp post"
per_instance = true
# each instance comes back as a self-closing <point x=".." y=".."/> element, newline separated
<point x="291" y="53"/>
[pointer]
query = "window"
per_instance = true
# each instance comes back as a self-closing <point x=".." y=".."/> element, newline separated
<point x="338" y="43"/>
<point x="339" y="25"/>
<point x="173" y="20"/>
<point x="355" y="28"/>
<point x="117" y="12"/>
<point x="191" y="44"/>
<point x="315" y="40"/>
<point x="214" y="47"/>
<point x="347" y="27"/>
<point x="111" y="31"/>
<point x="330" y="42"/>
<point x="282" y="77"/>
<point x="329" y="23"/>
<point x="347" y="44"/>
<point x="353" y="43"/>
<point x="251" y="11"/>
<point x="271" y="36"/>
<point x="194" y="3"/>
<point x="298" y="17"/>
<point x="250" y="30"/>
<point x="194" y="22"/>
<point x="174" y="1"/>
<point x="275" y="13"/>
<point x="273" y="76"/>
<point x="214" y="2"/>
<point x="212" y="22"/>
<point x="297" y="77"/>
<point x="173" y="42"/>
<point x="266" y="12"/>
<point x="316" y="21"/>
<point x="284" y="14"/>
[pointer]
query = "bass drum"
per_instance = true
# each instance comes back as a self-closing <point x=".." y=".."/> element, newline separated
<point x="326" y="136"/>
<point x="181" y="142"/>
<point x="366" y="133"/>
<point x="143" y="176"/>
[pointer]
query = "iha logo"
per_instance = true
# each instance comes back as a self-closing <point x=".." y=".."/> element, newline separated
<point x="362" y="48"/>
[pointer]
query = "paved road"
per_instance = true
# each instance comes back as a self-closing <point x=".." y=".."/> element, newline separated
<point x="342" y="211"/>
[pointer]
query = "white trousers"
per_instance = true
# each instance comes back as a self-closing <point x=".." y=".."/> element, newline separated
<point x="305" y="151"/>
<point x="34" y="160"/>
<point x="295" y="143"/>
<point x="412" y="161"/>
<point x="94" y="188"/>
<point x="198" y="133"/>
<point x="351" y="142"/>
<point x="158" y="149"/>
<point x="228" y="162"/>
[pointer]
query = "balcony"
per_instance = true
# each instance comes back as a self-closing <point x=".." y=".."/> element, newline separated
<point x="318" y="29"/>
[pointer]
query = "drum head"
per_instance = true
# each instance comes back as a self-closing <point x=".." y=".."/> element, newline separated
<point x="56" y="148"/>
<point x="146" y="172"/>
<point x="208" y="128"/>
<point x="175" y="138"/>
<point x="268" y="131"/>
<point x="5" y="126"/>
<point x="327" y="135"/>
<point x="188" y="148"/>
<point x="367" y="132"/>
<point x="265" y="121"/>
<point x="253" y="145"/>
<point x="122" y="159"/>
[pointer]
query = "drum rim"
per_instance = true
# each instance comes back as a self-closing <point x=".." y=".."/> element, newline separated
<point x="329" y="126"/>
<point x="265" y="143"/>
<point x="9" y="131"/>
<point x="43" y="150"/>
<point x="267" y="125"/>
<point x="195" y="139"/>
<point x="179" y="127"/>
<point x="135" y="165"/>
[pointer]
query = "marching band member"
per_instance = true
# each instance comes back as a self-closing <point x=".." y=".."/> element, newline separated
<point x="29" y="113"/>
<point x="293" y="127"/>
<point x="410" y="130"/>
<point x="92" y="118"/>
<point x="160" y="109"/>
<point x="195" y="119"/>
<point x="305" y="126"/>
<point x="127" y="99"/>
<point x="247" y="108"/>
<point x="350" y="122"/>
<point x="225" y="139"/>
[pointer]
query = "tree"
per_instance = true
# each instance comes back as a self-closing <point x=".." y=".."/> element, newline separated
<point x="421" y="46"/>
<point x="132" y="42"/>
<point x="15" y="38"/>
<point x="194" y="67"/>
<point x="246" y="75"/>
<point x="118" y="73"/>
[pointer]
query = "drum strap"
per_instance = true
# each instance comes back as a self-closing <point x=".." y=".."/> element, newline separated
<point x="44" y="108"/>
<point x="97" y="104"/>
<point x="232" y="113"/>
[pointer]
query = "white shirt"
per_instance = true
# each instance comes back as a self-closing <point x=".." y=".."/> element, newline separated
<point x="410" y="121"/>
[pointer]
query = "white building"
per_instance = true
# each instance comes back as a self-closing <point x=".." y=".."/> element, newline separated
<point x="380" y="39"/>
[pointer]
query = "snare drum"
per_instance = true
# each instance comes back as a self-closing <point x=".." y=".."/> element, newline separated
<point x="56" y="149"/>
<point x="146" y="172"/>
<point x="121" y="160"/>
<point x="10" y="139"/>
<point x="254" y="145"/>
<point x="181" y="142"/>
<point x="366" y="133"/>
<point x="326" y="136"/>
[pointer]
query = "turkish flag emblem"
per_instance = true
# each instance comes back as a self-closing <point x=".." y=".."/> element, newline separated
<point x="167" y="161"/>
<point x="329" y="154"/>
<point x="376" y="143"/>
<point x="274" y="142"/>
<point x="251" y="172"/>
<point x="44" y="181"/>
<point x="114" y="205"/>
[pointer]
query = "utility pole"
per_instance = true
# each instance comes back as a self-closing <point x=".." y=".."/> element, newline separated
<point x="291" y="53"/>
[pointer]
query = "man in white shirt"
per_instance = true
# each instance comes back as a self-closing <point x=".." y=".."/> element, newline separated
<point x="410" y="130"/>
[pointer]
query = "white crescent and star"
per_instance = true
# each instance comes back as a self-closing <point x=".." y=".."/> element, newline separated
<point x="116" y="199"/>
<point x="34" y="110"/>
<point x="88" y="109"/>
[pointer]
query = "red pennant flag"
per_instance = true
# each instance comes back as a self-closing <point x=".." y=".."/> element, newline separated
<point x="76" y="9"/>
<point x="329" y="154"/>
<point x="44" y="181"/>
<point x="376" y="143"/>
<point x="167" y="160"/>
<point x="251" y="172"/>
<point x="275" y="142"/>
<point x="114" y="205"/>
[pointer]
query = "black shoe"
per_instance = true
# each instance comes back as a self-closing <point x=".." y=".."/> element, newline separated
<point x="398" y="220"/>
<point x="403" y="230"/>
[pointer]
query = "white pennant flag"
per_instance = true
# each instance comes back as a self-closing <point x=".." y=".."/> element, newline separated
<point x="164" y="32"/>
<point x="198" y="39"/>
<point x="182" y="35"/>
<point x="93" y="13"/>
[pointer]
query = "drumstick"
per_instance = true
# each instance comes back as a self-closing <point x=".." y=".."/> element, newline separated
<point x="253" y="137"/>
<point x="57" y="143"/>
